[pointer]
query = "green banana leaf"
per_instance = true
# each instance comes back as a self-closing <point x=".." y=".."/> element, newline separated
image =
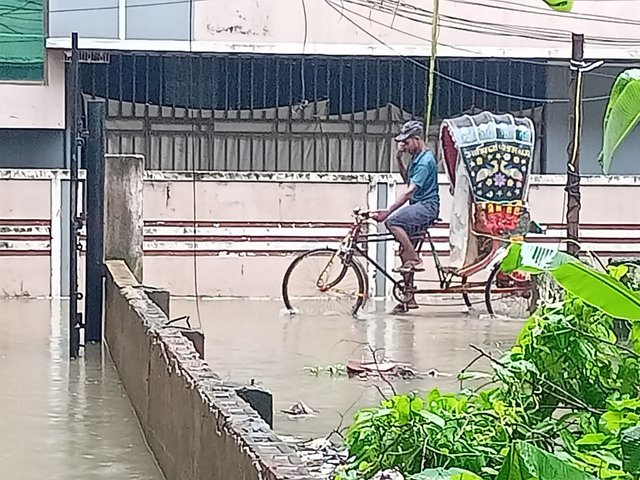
<point x="560" y="5"/>
<point x="595" y="288"/>
<point x="622" y="114"/>
<point x="445" y="474"/>
<point x="527" y="462"/>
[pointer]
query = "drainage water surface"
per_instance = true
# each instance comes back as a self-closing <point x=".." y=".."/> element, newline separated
<point x="60" y="419"/>
<point x="252" y="339"/>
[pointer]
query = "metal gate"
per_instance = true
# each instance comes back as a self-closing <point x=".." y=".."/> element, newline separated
<point x="289" y="113"/>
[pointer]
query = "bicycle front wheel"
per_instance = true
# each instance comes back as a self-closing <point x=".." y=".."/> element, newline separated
<point x="319" y="282"/>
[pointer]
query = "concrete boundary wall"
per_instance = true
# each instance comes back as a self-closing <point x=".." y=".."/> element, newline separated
<point x="250" y="225"/>
<point x="197" y="427"/>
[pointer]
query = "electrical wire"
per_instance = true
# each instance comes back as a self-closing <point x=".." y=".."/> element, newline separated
<point x="421" y="15"/>
<point x="517" y="7"/>
<point x="408" y="10"/>
<point x="194" y="189"/>
<point x="455" y="80"/>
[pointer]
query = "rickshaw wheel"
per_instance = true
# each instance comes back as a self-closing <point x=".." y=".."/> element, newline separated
<point x="519" y="303"/>
<point x="401" y="293"/>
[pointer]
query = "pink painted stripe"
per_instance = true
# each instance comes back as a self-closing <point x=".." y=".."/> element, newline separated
<point x="25" y="253"/>
<point x="26" y="222"/>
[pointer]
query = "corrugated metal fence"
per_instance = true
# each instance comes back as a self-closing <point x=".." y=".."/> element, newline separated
<point x="289" y="113"/>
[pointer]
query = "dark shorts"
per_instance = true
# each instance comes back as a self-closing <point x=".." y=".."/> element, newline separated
<point x="414" y="219"/>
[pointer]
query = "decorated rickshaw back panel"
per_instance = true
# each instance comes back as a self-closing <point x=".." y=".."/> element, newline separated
<point x="497" y="153"/>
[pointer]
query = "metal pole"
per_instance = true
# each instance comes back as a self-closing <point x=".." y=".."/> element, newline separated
<point x="573" y="165"/>
<point x="74" y="327"/>
<point x="94" y="164"/>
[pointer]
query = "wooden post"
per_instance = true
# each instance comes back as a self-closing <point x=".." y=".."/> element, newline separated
<point x="573" y="149"/>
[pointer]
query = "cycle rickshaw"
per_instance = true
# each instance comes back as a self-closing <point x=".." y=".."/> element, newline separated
<point x="488" y="160"/>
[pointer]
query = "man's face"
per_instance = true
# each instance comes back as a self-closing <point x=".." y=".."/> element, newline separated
<point x="410" y="145"/>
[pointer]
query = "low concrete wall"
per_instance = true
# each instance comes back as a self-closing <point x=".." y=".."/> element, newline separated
<point x="197" y="427"/>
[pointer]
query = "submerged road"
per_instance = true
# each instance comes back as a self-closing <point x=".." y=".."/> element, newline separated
<point x="252" y="340"/>
<point x="59" y="419"/>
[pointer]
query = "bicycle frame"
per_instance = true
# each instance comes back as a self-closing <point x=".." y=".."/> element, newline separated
<point x="351" y="244"/>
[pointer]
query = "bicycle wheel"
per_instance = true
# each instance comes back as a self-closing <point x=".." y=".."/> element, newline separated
<point x="508" y="297"/>
<point x="319" y="282"/>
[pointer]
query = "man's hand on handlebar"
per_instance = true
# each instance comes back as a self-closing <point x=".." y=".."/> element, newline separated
<point x="380" y="215"/>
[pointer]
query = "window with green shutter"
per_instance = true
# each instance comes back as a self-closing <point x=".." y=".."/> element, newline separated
<point x="22" y="40"/>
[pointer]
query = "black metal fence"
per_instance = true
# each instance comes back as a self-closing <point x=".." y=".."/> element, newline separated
<point x="290" y="113"/>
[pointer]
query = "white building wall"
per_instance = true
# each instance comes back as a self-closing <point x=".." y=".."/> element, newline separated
<point x="525" y="29"/>
<point x="33" y="105"/>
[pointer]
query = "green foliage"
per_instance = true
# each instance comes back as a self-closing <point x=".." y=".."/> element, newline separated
<point x="526" y="462"/>
<point x="445" y="474"/>
<point x="563" y="402"/>
<point x="622" y="114"/>
<point x="596" y="288"/>
<point x="560" y="5"/>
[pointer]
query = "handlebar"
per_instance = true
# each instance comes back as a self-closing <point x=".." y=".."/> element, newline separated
<point x="361" y="213"/>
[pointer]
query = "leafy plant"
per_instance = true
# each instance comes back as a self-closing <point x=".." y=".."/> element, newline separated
<point x="526" y="462"/>
<point x="563" y="402"/>
<point x="596" y="288"/>
<point x="445" y="474"/>
<point x="560" y="5"/>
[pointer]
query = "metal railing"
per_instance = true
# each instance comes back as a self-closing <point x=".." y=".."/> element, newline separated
<point x="289" y="113"/>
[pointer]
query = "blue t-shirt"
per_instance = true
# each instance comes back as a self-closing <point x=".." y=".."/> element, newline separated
<point x="423" y="172"/>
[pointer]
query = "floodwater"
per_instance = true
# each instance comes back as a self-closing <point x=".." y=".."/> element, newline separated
<point x="60" y="419"/>
<point x="252" y="339"/>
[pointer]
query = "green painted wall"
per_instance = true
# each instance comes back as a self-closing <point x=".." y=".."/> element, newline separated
<point x="22" y="40"/>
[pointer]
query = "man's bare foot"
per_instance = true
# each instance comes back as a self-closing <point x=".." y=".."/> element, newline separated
<point x="409" y="267"/>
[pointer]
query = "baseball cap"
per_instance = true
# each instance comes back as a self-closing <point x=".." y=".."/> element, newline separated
<point x="412" y="128"/>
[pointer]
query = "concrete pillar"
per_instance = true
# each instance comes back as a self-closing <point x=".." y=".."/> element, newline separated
<point x="123" y="211"/>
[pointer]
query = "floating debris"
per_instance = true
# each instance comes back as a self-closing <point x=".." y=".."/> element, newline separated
<point x="300" y="409"/>
<point x="322" y="457"/>
<point x="433" y="373"/>
<point x="337" y="370"/>
<point x="388" y="368"/>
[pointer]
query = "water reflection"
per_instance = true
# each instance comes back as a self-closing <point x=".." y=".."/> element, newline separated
<point x="61" y="419"/>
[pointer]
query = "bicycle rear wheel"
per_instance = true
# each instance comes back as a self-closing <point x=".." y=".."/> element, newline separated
<point x="319" y="282"/>
<point x="508" y="297"/>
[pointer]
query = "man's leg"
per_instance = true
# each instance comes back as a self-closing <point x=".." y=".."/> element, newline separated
<point x="404" y="225"/>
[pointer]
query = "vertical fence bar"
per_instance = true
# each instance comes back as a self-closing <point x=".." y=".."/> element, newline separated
<point x="290" y="115"/>
<point x="263" y="116"/>
<point x="74" y="316"/>
<point x="276" y="127"/>
<point x="252" y="107"/>
<point x="315" y="114"/>
<point x="95" y="152"/>
<point x="238" y="110"/>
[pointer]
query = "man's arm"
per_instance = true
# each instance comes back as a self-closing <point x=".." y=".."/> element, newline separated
<point x="402" y="199"/>
<point x="382" y="215"/>
<point x="401" y="166"/>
